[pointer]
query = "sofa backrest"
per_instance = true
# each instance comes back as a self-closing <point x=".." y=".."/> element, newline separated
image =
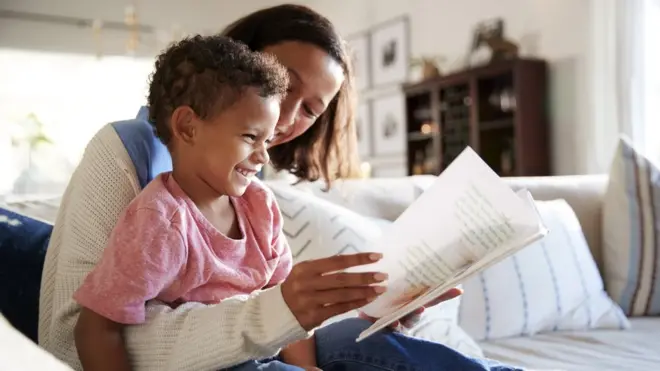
<point x="583" y="192"/>
<point x="387" y="198"/>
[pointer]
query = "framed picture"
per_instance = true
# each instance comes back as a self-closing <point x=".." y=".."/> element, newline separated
<point x="389" y="120"/>
<point x="392" y="170"/>
<point x="390" y="52"/>
<point x="359" y="48"/>
<point x="363" y="127"/>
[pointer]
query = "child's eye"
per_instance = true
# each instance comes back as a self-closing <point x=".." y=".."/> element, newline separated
<point x="250" y="137"/>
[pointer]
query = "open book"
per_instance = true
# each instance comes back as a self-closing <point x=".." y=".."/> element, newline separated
<point x="468" y="220"/>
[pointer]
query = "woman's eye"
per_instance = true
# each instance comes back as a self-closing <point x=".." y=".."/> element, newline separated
<point x="308" y="112"/>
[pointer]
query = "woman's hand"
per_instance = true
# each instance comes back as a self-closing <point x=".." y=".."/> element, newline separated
<point x="411" y="319"/>
<point x="317" y="290"/>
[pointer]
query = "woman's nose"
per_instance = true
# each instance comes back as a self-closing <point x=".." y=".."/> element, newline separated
<point x="288" y="112"/>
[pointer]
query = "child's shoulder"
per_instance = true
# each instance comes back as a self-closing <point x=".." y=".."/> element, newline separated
<point x="258" y="192"/>
<point x="261" y="199"/>
<point x="156" y="197"/>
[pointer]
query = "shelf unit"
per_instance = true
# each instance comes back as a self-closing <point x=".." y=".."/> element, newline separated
<point x="499" y="110"/>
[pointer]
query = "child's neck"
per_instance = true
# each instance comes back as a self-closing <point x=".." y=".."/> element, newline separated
<point x="216" y="208"/>
<point x="202" y="195"/>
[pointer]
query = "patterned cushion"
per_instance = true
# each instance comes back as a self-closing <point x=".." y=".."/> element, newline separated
<point x="377" y="197"/>
<point x="631" y="238"/>
<point x="552" y="285"/>
<point x="23" y="244"/>
<point x="317" y="228"/>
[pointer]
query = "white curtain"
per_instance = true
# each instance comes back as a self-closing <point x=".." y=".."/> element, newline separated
<point x="637" y="61"/>
<point x="651" y="127"/>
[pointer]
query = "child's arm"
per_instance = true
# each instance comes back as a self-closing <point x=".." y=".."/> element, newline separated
<point x="100" y="343"/>
<point x="144" y="255"/>
<point x="301" y="354"/>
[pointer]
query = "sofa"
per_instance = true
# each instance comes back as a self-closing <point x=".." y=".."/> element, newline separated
<point x="635" y="346"/>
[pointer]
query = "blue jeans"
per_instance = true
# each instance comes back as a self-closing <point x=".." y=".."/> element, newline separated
<point x="336" y="350"/>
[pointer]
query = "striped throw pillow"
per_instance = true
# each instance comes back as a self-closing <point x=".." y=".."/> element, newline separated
<point x="552" y="285"/>
<point x="631" y="222"/>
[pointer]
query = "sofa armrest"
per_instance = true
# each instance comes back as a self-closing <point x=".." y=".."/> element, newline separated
<point x="20" y="353"/>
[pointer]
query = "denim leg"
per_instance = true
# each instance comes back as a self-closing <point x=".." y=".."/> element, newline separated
<point x="265" y="365"/>
<point x="336" y="350"/>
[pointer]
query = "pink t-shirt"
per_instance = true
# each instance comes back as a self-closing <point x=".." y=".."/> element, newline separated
<point x="164" y="248"/>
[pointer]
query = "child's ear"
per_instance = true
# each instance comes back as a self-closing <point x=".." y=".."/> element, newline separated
<point x="184" y="124"/>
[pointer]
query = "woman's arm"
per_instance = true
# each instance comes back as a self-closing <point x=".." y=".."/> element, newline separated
<point x="190" y="337"/>
<point x="198" y="337"/>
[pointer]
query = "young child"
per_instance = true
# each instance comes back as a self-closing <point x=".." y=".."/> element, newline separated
<point x="205" y="231"/>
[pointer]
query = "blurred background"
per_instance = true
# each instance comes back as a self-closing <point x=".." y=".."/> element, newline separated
<point x="541" y="87"/>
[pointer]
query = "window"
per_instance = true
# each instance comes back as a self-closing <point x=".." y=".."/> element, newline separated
<point x="650" y="131"/>
<point x="72" y="96"/>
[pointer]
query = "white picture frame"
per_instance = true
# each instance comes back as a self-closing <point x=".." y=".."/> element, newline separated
<point x="389" y="123"/>
<point x="359" y="50"/>
<point x="364" y="128"/>
<point x="390" y="52"/>
<point x="390" y="170"/>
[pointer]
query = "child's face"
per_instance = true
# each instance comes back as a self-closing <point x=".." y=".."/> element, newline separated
<point x="228" y="149"/>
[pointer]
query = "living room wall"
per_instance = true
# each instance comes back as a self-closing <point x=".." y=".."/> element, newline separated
<point x="564" y="32"/>
<point x="567" y="33"/>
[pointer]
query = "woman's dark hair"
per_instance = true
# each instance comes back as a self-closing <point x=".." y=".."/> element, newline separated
<point x="328" y="149"/>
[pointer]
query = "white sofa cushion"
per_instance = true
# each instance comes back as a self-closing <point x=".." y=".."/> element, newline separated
<point x="551" y="285"/>
<point x="17" y="352"/>
<point x="384" y="198"/>
<point x="317" y="228"/>
<point x="631" y="230"/>
<point x="637" y="349"/>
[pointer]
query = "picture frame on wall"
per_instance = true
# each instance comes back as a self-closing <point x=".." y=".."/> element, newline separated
<point x="359" y="50"/>
<point x="390" y="52"/>
<point x="389" y="170"/>
<point x="389" y="124"/>
<point x="363" y="127"/>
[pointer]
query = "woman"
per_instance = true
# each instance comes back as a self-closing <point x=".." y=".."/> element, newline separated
<point x="314" y="140"/>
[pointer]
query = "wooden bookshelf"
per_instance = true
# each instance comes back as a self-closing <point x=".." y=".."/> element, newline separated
<point x="499" y="110"/>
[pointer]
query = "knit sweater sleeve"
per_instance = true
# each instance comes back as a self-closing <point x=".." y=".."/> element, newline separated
<point x="191" y="337"/>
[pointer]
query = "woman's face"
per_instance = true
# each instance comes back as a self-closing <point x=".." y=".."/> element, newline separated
<point x="315" y="80"/>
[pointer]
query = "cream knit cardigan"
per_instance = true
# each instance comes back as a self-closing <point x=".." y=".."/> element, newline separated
<point x="190" y="337"/>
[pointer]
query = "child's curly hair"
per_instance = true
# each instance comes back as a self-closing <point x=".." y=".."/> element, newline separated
<point x="209" y="74"/>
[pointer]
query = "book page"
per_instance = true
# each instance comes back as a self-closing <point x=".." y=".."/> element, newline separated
<point x="493" y="257"/>
<point x="464" y="216"/>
